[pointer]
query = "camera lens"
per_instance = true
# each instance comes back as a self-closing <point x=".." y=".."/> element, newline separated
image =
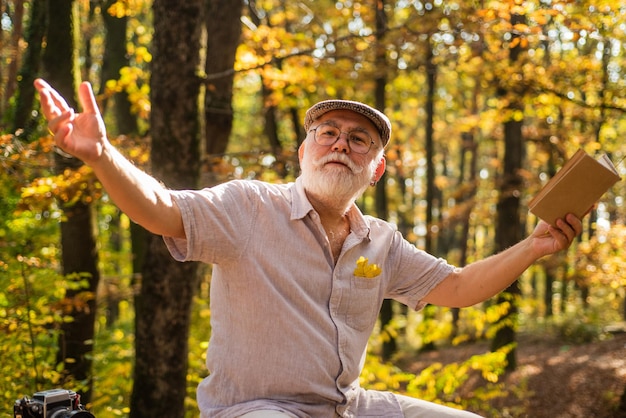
<point x="58" y="413"/>
<point x="65" y="413"/>
<point x="80" y="414"/>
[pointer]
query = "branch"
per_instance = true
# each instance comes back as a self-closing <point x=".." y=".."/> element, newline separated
<point x="581" y="103"/>
<point x="305" y="52"/>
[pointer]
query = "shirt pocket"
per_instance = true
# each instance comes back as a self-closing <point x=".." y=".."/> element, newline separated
<point x="363" y="302"/>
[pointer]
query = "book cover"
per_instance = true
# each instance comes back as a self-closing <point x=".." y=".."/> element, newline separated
<point x="575" y="188"/>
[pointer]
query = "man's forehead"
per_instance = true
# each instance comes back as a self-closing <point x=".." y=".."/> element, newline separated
<point x="343" y="115"/>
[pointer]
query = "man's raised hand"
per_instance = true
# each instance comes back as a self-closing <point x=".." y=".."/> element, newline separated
<point x="82" y="135"/>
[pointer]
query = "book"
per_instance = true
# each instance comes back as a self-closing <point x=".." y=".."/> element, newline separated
<point x="575" y="188"/>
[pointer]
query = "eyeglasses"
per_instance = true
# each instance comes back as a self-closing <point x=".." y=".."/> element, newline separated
<point x="358" y="141"/>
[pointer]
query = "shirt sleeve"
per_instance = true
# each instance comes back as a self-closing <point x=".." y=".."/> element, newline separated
<point x="416" y="272"/>
<point x="216" y="222"/>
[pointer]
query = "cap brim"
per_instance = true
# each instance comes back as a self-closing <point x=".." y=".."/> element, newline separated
<point x="378" y="118"/>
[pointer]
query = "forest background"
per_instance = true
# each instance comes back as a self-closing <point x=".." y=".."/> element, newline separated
<point x="487" y="100"/>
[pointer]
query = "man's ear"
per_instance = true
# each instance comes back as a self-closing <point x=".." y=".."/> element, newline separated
<point x="380" y="169"/>
<point x="301" y="152"/>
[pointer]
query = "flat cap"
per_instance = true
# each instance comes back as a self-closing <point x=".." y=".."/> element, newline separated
<point x="377" y="117"/>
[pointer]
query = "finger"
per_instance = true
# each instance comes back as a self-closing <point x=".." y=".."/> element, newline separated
<point x="47" y="104"/>
<point x="62" y="139"/>
<point x="569" y="229"/>
<point x="53" y="104"/>
<point x="575" y="222"/>
<point x="562" y="240"/>
<point x="87" y="98"/>
<point x="46" y="89"/>
<point x="57" y="123"/>
<point x="570" y="225"/>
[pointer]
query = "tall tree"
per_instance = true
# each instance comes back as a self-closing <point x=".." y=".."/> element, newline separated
<point x="270" y="107"/>
<point x="223" y="35"/>
<point x="79" y="255"/>
<point x="114" y="59"/>
<point x="509" y="228"/>
<point x="432" y="193"/>
<point x="382" y="209"/>
<point x="31" y="62"/>
<point x="163" y="307"/>
<point x="14" y="57"/>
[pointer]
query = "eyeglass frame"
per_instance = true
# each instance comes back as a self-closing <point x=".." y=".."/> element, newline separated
<point x="348" y="135"/>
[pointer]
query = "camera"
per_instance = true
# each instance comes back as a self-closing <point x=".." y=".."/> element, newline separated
<point x="53" y="403"/>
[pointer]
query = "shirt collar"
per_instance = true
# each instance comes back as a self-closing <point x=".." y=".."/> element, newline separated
<point x="301" y="207"/>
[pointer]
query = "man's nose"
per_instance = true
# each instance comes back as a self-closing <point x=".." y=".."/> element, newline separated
<point x="341" y="145"/>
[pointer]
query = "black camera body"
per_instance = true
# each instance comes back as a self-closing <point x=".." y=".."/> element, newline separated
<point x="53" y="403"/>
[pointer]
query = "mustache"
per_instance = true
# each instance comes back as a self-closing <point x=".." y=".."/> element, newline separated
<point x="337" y="157"/>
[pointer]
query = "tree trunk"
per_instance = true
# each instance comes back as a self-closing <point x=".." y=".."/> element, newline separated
<point x="16" y="56"/>
<point x="115" y="58"/>
<point x="548" y="295"/>
<point x="468" y="195"/>
<point x="2" y="48"/>
<point x="163" y="316"/>
<point x="431" y="77"/>
<point x="621" y="410"/>
<point x="163" y="307"/>
<point x="508" y="232"/>
<point x="389" y="345"/>
<point x="223" y="34"/>
<point x="431" y="192"/>
<point x="79" y="262"/>
<point x="78" y="244"/>
<point x="509" y="228"/>
<point x="30" y="68"/>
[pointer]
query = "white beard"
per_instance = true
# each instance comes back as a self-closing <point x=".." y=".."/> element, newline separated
<point x="336" y="184"/>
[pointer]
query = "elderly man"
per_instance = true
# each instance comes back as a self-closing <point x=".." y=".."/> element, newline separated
<point x="299" y="272"/>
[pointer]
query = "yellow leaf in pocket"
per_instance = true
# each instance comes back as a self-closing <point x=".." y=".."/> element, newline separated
<point x="364" y="269"/>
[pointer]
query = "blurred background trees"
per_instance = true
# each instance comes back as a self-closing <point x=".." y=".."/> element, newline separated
<point x="487" y="100"/>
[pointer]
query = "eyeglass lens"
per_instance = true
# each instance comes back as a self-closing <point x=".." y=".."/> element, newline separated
<point x="359" y="141"/>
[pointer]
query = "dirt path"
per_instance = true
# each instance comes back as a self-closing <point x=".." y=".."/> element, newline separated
<point x="559" y="380"/>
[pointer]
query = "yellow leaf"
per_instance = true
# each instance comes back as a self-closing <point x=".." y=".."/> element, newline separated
<point x="364" y="269"/>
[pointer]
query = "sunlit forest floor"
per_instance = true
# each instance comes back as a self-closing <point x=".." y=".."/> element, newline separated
<point x="553" y="379"/>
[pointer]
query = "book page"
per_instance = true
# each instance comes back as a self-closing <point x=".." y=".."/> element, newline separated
<point x="606" y="161"/>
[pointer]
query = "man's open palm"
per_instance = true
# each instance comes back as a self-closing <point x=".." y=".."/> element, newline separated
<point x="82" y="135"/>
